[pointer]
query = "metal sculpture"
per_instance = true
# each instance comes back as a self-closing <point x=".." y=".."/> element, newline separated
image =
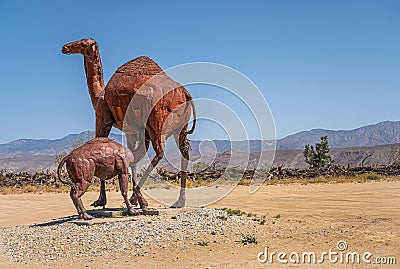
<point x="111" y="104"/>
<point x="100" y="157"/>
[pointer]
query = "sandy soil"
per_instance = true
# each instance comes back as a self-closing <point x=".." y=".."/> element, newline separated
<point x="300" y="218"/>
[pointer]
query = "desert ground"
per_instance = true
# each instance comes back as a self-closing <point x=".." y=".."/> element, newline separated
<point x="289" y="218"/>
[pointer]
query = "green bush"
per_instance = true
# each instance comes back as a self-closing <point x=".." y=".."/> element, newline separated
<point x="249" y="239"/>
<point x="372" y="176"/>
<point x="233" y="212"/>
<point x="318" y="156"/>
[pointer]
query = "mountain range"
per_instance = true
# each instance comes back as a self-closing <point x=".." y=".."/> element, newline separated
<point x="349" y="146"/>
<point x="383" y="133"/>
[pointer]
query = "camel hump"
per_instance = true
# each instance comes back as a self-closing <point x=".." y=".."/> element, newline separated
<point x="142" y="65"/>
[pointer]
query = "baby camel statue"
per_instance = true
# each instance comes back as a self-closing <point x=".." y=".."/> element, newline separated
<point x="101" y="157"/>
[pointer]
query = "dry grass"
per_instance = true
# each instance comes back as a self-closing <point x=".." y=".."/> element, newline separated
<point x="32" y="189"/>
<point x="199" y="183"/>
<point x="49" y="189"/>
<point x="328" y="180"/>
<point x="285" y="181"/>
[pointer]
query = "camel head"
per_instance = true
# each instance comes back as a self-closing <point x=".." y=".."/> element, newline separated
<point x="85" y="47"/>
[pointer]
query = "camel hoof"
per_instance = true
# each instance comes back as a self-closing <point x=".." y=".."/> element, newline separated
<point x="86" y="216"/>
<point x="144" y="205"/>
<point x="133" y="212"/>
<point x="98" y="203"/>
<point x="178" y="204"/>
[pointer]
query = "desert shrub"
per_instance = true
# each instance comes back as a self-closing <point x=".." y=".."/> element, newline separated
<point x="249" y="239"/>
<point x="123" y="212"/>
<point x="30" y="188"/>
<point x="199" y="167"/>
<point x="202" y="243"/>
<point x="372" y="176"/>
<point x="318" y="156"/>
<point x="222" y="218"/>
<point x="233" y="212"/>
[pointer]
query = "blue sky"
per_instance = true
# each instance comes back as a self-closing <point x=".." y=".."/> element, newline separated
<point x="319" y="64"/>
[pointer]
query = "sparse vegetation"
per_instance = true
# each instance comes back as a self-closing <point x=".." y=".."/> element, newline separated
<point x="33" y="189"/>
<point x="123" y="212"/>
<point x="202" y="243"/>
<point x="395" y="153"/>
<point x="222" y="218"/>
<point x="261" y="220"/>
<point x="2" y="173"/>
<point x="249" y="215"/>
<point x="245" y="182"/>
<point x="372" y="176"/>
<point x="318" y="156"/>
<point x="45" y="181"/>
<point x="233" y="212"/>
<point x="30" y="188"/>
<point x="58" y="157"/>
<point x="249" y="239"/>
<point x="199" y="166"/>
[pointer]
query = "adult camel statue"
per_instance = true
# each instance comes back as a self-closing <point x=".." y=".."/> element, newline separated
<point x="168" y="114"/>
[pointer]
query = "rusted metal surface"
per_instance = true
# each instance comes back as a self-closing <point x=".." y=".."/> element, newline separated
<point x="100" y="157"/>
<point x="162" y="107"/>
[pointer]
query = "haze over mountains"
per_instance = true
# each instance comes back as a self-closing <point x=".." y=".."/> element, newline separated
<point x="383" y="133"/>
<point x="350" y="147"/>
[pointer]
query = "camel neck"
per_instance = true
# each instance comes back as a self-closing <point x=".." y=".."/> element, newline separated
<point x="94" y="76"/>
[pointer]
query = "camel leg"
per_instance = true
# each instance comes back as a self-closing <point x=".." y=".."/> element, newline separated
<point x="104" y="123"/>
<point x="76" y="198"/>
<point x="158" y="146"/>
<point x="102" y="200"/>
<point x="138" y="154"/>
<point x="184" y="148"/>
<point x="133" y="200"/>
<point x="123" y="186"/>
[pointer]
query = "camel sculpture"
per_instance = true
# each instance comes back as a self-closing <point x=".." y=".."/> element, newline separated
<point x="152" y="119"/>
<point x="101" y="157"/>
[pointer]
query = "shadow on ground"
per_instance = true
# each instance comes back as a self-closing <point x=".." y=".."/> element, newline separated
<point x="97" y="213"/>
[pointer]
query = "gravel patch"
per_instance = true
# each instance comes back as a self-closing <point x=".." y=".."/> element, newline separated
<point x="68" y="242"/>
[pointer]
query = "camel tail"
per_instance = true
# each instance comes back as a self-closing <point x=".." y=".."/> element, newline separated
<point x="60" y="166"/>
<point x="189" y="97"/>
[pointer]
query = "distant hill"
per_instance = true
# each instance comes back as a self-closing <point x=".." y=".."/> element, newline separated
<point x="351" y="146"/>
<point x="35" y="147"/>
<point x="30" y="164"/>
<point x="358" y="156"/>
<point x="383" y="133"/>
